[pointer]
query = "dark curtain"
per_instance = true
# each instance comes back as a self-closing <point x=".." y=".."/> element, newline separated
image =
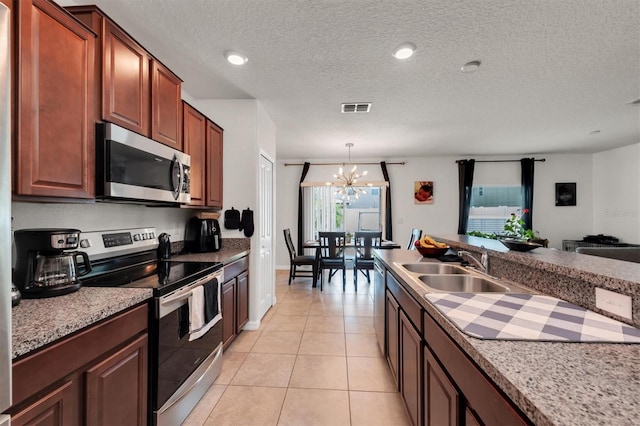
<point x="388" y="222"/>
<point x="305" y="170"/>
<point x="465" y="183"/>
<point x="528" y="164"/>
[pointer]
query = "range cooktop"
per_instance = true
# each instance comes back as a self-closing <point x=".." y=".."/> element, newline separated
<point x="128" y="259"/>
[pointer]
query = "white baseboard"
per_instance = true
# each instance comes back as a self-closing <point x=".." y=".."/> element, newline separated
<point x="252" y="325"/>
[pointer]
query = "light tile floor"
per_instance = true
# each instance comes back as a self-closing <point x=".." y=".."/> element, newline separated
<point x="314" y="361"/>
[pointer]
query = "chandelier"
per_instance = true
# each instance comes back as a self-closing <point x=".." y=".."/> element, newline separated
<point x="347" y="181"/>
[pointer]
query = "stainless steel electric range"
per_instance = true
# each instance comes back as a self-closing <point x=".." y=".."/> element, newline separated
<point x="180" y="371"/>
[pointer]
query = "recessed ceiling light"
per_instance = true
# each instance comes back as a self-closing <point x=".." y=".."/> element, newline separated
<point x="404" y="51"/>
<point x="470" y="66"/>
<point x="594" y="132"/>
<point x="236" y="58"/>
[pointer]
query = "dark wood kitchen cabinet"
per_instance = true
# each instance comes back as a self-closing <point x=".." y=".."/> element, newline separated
<point x="54" y="147"/>
<point x="126" y="89"/>
<point x="97" y="376"/>
<point x="203" y="142"/>
<point x="136" y="91"/>
<point x="441" y="398"/>
<point x="235" y="299"/>
<point x="228" y="312"/>
<point x="166" y="106"/>
<point x="393" y="338"/>
<point x="464" y="387"/>
<point x="407" y="345"/>
<point x="195" y="134"/>
<point x="411" y="368"/>
<point x="117" y="387"/>
<point x="214" y="165"/>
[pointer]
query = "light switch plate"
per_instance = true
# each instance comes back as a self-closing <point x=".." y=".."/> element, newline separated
<point x="615" y="303"/>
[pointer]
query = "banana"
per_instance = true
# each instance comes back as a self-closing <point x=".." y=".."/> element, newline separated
<point x="428" y="242"/>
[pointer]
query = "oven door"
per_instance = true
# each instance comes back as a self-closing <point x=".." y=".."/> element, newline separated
<point x="182" y="370"/>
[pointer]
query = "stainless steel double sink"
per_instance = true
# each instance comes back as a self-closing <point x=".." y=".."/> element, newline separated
<point x="448" y="278"/>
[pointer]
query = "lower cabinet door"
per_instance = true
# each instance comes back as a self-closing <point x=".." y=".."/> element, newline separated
<point x="57" y="407"/>
<point x="228" y="311"/>
<point x="470" y="418"/>
<point x="117" y="387"/>
<point x="441" y="398"/>
<point x="392" y="336"/>
<point x="242" y="313"/>
<point x="411" y="368"/>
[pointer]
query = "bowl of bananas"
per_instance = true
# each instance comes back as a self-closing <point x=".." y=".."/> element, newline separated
<point x="428" y="247"/>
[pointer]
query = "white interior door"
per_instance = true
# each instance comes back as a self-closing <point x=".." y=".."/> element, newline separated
<point x="267" y="267"/>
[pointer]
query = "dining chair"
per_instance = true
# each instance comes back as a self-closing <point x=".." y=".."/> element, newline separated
<point x="415" y="236"/>
<point x="365" y="242"/>
<point x="331" y="255"/>
<point x="299" y="260"/>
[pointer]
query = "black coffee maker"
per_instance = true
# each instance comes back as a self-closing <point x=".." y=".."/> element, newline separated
<point x="44" y="266"/>
<point x="202" y="235"/>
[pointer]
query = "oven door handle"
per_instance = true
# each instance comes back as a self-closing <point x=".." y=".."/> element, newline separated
<point x="174" y="300"/>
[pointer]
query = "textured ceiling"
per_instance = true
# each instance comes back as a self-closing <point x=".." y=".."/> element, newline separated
<point x="552" y="71"/>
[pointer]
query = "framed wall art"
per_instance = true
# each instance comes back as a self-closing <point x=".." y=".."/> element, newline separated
<point x="423" y="192"/>
<point x="566" y="194"/>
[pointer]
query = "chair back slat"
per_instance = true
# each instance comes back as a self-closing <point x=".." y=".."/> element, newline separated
<point x="331" y="245"/>
<point x="365" y="242"/>
<point x="289" y="242"/>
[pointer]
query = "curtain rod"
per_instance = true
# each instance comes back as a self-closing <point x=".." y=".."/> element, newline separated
<point x="402" y="163"/>
<point x="504" y="161"/>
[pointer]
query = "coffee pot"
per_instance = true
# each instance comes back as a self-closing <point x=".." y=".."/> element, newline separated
<point x="44" y="267"/>
<point x="59" y="269"/>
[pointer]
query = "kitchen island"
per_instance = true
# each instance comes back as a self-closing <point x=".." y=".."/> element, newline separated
<point x="551" y="383"/>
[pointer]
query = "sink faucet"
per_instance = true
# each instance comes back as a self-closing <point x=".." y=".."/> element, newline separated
<point x="483" y="263"/>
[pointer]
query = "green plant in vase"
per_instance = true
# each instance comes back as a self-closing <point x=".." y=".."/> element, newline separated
<point x="514" y="228"/>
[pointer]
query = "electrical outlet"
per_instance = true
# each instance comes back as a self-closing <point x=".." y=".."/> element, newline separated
<point x="615" y="303"/>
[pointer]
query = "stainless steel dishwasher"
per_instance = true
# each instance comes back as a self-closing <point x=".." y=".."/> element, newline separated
<point x="379" y="288"/>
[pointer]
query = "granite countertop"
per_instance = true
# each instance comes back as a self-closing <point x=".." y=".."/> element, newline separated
<point x="224" y="255"/>
<point x="38" y="322"/>
<point x="552" y="383"/>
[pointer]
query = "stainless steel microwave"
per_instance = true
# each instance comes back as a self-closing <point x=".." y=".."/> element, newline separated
<point x="132" y="167"/>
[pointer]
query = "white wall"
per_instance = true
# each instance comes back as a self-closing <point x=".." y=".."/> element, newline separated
<point x="441" y="217"/>
<point x="247" y="131"/>
<point x="616" y="185"/>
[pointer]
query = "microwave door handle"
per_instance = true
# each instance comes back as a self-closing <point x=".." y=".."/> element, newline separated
<point x="177" y="187"/>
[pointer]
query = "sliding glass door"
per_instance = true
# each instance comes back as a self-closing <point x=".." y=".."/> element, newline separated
<point x="325" y="211"/>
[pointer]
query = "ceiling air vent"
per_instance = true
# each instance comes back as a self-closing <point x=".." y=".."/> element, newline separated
<point x="356" y="107"/>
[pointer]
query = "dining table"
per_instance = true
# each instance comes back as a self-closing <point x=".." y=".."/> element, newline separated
<point x="315" y="244"/>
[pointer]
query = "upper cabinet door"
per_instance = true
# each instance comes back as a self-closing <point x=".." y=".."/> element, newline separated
<point x="166" y="106"/>
<point x="194" y="145"/>
<point x="125" y="81"/>
<point x="214" y="165"/>
<point x="55" y="143"/>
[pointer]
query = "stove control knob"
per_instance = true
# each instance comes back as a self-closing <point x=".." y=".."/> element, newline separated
<point x="151" y="235"/>
<point x="144" y="235"/>
<point x="85" y="243"/>
<point x="136" y="237"/>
